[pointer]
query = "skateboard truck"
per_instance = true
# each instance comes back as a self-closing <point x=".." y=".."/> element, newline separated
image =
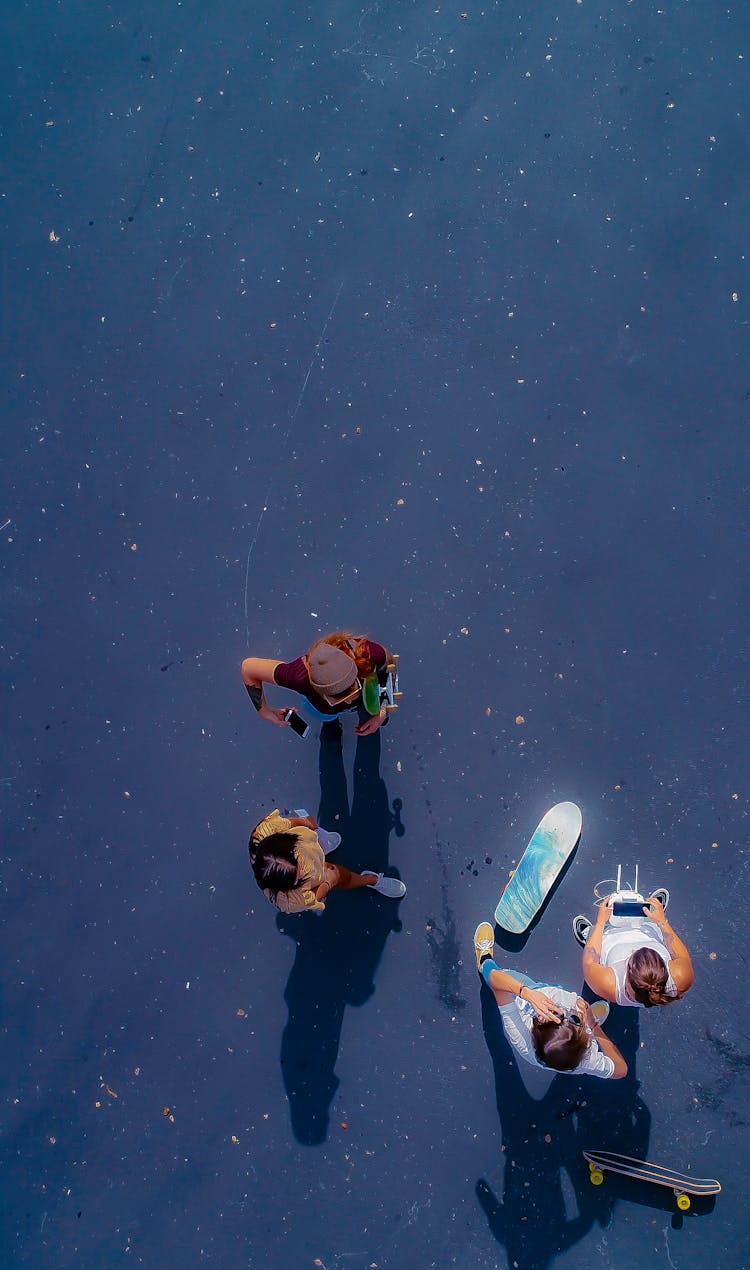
<point x="682" y="1184"/>
<point x="596" y="1177"/>
<point x="375" y="694"/>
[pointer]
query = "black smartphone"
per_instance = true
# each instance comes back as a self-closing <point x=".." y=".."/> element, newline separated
<point x="629" y="908"/>
<point x="297" y="723"/>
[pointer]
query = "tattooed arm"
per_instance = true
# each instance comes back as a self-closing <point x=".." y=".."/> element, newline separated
<point x="601" y="979"/>
<point x="257" y="671"/>
<point x="680" y="965"/>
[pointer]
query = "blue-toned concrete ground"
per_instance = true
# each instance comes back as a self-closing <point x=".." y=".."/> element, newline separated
<point x="459" y="297"/>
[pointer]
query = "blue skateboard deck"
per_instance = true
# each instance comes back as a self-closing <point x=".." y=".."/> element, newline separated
<point x="539" y="867"/>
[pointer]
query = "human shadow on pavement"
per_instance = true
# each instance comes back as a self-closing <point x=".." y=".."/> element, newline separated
<point x="548" y="1203"/>
<point x="337" y="952"/>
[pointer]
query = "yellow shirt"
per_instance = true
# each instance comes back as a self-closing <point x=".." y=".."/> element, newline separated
<point x="311" y="864"/>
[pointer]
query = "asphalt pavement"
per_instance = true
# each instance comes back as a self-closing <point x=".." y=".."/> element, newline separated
<point x="427" y="323"/>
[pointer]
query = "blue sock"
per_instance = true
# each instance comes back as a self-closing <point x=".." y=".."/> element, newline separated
<point x="488" y="965"/>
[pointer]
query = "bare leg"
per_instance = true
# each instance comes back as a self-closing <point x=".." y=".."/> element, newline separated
<point x="345" y="880"/>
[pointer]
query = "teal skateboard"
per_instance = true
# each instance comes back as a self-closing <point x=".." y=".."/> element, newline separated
<point x="541" y="864"/>
<point x="376" y="694"/>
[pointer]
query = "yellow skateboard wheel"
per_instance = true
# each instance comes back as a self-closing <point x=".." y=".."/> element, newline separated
<point x="596" y="1176"/>
<point x="683" y="1202"/>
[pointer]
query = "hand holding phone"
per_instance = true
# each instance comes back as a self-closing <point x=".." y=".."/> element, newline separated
<point x="297" y="723"/>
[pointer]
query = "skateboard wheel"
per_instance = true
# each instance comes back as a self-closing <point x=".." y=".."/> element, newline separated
<point x="390" y="667"/>
<point x="389" y="708"/>
<point x="596" y="1177"/>
<point x="683" y="1202"/>
<point x="398" y="694"/>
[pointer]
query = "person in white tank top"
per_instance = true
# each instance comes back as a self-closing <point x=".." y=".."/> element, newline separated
<point x="636" y="961"/>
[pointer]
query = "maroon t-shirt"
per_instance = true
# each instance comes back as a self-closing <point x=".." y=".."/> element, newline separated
<point x="293" y="674"/>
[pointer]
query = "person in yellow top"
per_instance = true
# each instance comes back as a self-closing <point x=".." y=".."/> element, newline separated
<point x="288" y="858"/>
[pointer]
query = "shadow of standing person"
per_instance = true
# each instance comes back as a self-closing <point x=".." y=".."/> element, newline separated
<point x="338" y="953"/>
<point x="548" y="1202"/>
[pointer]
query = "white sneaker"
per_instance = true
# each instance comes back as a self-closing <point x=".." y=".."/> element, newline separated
<point x="392" y="887"/>
<point x="581" y="929"/>
<point x="328" y="839"/>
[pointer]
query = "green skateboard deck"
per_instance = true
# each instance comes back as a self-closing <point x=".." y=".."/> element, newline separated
<point x="375" y="694"/>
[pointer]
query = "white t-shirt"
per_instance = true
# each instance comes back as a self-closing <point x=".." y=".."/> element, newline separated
<point x="622" y="937"/>
<point x="518" y="1016"/>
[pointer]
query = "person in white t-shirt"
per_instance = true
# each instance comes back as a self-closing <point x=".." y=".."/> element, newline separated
<point x="547" y="1025"/>
<point x="634" y="961"/>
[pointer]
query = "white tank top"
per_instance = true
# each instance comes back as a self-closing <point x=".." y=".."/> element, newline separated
<point x="619" y="941"/>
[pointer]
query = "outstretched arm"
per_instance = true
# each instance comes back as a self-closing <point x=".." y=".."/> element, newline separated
<point x="255" y="672"/>
<point x="610" y="1049"/>
<point x="680" y="965"/>
<point x="505" y="986"/>
<point x="599" y="978"/>
<point x="605" y="1045"/>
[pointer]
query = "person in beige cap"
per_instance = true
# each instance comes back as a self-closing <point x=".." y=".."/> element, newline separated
<point x="288" y="858"/>
<point x="328" y="677"/>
